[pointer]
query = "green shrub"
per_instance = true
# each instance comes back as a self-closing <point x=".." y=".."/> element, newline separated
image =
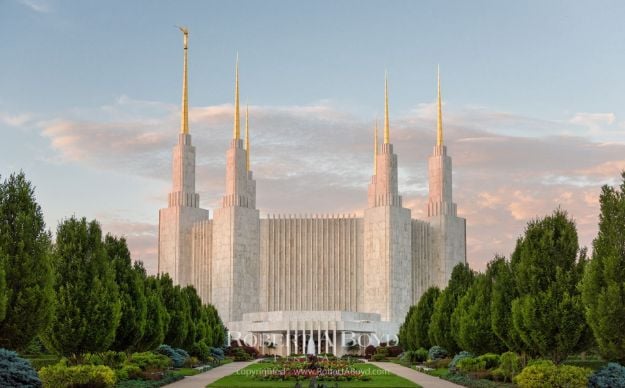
<point x="438" y="364"/>
<point x="510" y="365"/>
<point x="436" y="353"/>
<point x="492" y="360"/>
<point x="149" y="362"/>
<point x="112" y="359"/>
<point x="458" y="357"/>
<point x="191" y="362"/>
<point x="240" y="355"/>
<point x="378" y="357"/>
<point x="611" y="375"/>
<point x="218" y="353"/>
<point x="177" y="356"/>
<point x="200" y="350"/>
<point x="128" y="372"/>
<point x="79" y="376"/>
<point x="470" y="364"/>
<point x="546" y="374"/>
<point x="420" y="355"/>
<point x="40" y="362"/>
<point x="16" y="371"/>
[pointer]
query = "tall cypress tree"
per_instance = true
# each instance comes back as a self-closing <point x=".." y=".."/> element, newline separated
<point x="88" y="306"/>
<point x="440" y="330"/>
<point x="603" y="286"/>
<point x="178" y="309"/>
<point x="131" y="295"/>
<point x="216" y="325"/>
<point x="420" y="323"/>
<point x="195" y="316"/>
<point x="157" y="315"/>
<point x="27" y="264"/>
<point x="3" y="288"/>
<point x="548" y="314"/>
<point x="406" y="339"/>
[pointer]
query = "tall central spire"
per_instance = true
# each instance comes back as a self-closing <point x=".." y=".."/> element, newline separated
<point x="237" y="119"/>
<point x="184" y="119"/>
<point x="247" y="138"/>
<point x="375" y="148"/>
<point x="439" y="106"/>
<point x="387" y="135"/>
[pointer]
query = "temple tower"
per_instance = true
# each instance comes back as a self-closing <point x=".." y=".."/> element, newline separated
<point x="449" y="230"/>
<point x="176" y="220"/>
<point x="387" y="236"/>
<point x="236" y="231"/>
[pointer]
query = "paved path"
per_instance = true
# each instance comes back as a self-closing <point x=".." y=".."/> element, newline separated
<point x="422" y="379"/>
<point x="203" y="379"/>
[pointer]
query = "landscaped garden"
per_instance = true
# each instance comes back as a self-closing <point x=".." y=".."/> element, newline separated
<point x="302" y="371"/>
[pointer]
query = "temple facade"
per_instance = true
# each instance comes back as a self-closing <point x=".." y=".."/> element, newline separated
<point x="283" y="281"/>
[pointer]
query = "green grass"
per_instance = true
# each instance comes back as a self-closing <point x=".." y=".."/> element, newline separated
<point x="186" y="371"/>
<point x="243" y="379"/>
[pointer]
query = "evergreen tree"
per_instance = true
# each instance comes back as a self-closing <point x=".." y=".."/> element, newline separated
<point x="440" y="330"/>
<point x="88" y="306"/>
<point x="420" y="324"/>
<point x="406" y="339"/>
<point x="157" y="315"/>
<point x="217" y="327"/>
<point x="603" y="286"/>
<point x="194" y="317"/>
<point x="131" y="295"/>
<point x="471" y="320"/>
<point x="548" y="314"/>
<point x="25" y="253"/>
<point x="178" y="309"/>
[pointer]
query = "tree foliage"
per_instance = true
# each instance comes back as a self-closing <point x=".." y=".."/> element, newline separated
<point x="548" y="313"/>
<point x="419" y="325"/>
<point x="440" y="330"/>
<point x="131" y="295"/>
<point x="503" y="292"/>
<point x="178" y="308"/>
<point x="157" y="314"/>
<point x="26" y="274"/>
<point x="88" y="306"/>
<point x="603" y="286"/>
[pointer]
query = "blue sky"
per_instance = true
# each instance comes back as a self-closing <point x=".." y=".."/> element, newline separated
<point x="533" y="92"/>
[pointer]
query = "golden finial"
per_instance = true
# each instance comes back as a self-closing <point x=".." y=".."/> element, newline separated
<point x="237" y="123"/>
<point x="387" y="135"/>
<point x="184" y="117"/>
<point x="375" y="148"/>
<point x="439" y="105"/>
<point x="247" y="138"/>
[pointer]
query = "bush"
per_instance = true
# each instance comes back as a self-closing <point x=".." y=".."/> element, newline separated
<point x="240" y="355"/>
<point x="200" y="350"/>
<point x="611" y="375"/>
<point x="218" y="353"/>
<point x="458" y="357"/>
<point x="394" y="351"/>
<point x="491" y="360"/>
<point x="128" y="372"/>
<point x="16" y="371"/>
<point x="113" y="360"/>
<point x="438" y="364"/>
<point x="378" y="357"/>
<point x="191" y="362"/>
<point x="177" y="356"/>
<point x="167" y="379"/>
<point x="510" y="365"/>
<point x="369" y="351"/>
<point x="436" y="353"/>
<point x="420" y="355"/>
<point x="471" y="364"/>
<point x="149" y="362"/>
<point x="546" y="374"/>
<point x="92" y="376"/>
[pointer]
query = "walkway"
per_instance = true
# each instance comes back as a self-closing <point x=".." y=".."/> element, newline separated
<point x="424" y="380"/>
<point x="203" y="379"/>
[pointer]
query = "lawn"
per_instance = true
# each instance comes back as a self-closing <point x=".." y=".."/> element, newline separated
<point x="379" y="379"/>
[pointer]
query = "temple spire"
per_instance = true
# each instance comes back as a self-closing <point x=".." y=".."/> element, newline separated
<point x="247" y="138"/>
<point x="184" y="119"/>
<point x="237" y="119"/>
<point x="387" y="135"/>
<point x="439" y="106"/>
<point x="375" y="148"/>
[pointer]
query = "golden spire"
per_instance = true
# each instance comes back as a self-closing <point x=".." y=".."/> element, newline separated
<point x="184" y="119"/>
<point x="247" y="138"/>
<point x="439" y="105"/>
<point x="387" y="135"/>
<point x="375" y="148"/>
<point x="237" y="119"/>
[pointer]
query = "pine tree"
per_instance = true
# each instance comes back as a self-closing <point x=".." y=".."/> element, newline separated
<point x="194" y="316"/>
<point x="27" y="265"/>
<point x="440" y="330"/>
<point x="420" y="324"/>
<point x="178" y="309"/>
<point x="603" y="286"/>
<point x="131" y="295"/>
<point x="471" y="320"/>
<point x="548" y="314"/>
<point x="157" y="315"/>
<point x="405" y="336"/>
<point x="3" y="288"/>
<point x="216" y="325"/>
<point x="88" y="307"/>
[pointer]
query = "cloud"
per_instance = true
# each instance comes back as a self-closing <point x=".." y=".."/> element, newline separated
<point x="36" y="5"/>
<point x="317" y="158"/>
<point x="15" y="120"/>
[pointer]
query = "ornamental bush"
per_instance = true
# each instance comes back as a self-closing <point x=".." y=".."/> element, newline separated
<point x="436" y="353"/>
<point x="458" y="357"/>
<point x="92" y="376"/>
<point x="510" y="365"/>
<point x="128" y="372"/>
<point x="149" y="362"/>
<point x="16" y="371"/>
<point x="491" y="360"/>
<point x="177" y="356"/>
<point x="547" y="374"/>
<point x="218" y="353"/>
<point x="112" y="359"/>
<point x="201" y="351"/>
<point x="420" y="355"/>
<point x="470" y="364"/>
<point x="611" y="375"/>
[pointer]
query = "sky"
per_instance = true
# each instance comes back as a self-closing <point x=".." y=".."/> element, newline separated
<point x="533" y="106"/>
